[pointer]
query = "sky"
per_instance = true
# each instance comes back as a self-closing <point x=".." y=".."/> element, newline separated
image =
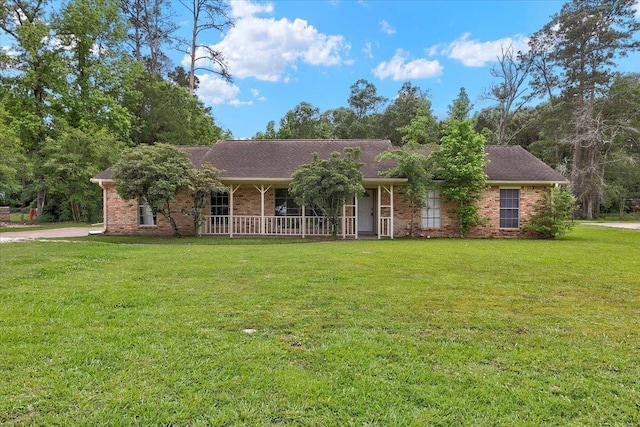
<point x="281" y="53"/>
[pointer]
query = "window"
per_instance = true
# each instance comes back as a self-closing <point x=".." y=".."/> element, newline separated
<point x="145" y="213"/>
<point x="509" y="207"/>
<point x="286" y="205"/>
<point x="430" y="215"/>
<point x="219" y="204"/>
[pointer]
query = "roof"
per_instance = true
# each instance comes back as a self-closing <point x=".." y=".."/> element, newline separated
<point x="275" y="160"/>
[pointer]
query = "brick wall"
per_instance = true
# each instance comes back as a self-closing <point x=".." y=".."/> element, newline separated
<point x="246" y="201"/>
<point x="489" y="213"/>
<point x="122" y="215"/>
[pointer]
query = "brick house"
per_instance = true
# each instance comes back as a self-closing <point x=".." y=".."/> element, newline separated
<point x="257" y="174"/>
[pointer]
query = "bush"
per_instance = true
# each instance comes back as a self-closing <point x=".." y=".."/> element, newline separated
<point x="553" y="217"/>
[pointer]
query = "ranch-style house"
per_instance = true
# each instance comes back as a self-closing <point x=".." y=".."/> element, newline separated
<point x="257" y="174"/>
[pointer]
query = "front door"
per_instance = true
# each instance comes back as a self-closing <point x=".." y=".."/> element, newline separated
<point x="365" y="212"/>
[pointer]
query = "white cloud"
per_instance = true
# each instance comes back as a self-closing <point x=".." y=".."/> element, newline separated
<point x="386" y="28"/>
<point x="266" y="48"/>
<point x="213" y="90"/>
<point x="637" y="8"/>
<point x="398" y="69"/>
<point x="256" y="95"/>
<point x="474" y="53"/>
<point x="242" y="8"/>
<point x="368" y="50"/>
<point x="238" y="103"/>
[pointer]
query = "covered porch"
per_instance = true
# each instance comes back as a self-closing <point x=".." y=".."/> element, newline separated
<point x="257" y="210"/>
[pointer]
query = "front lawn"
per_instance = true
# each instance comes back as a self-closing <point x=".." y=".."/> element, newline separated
<point x="402" y="332"/>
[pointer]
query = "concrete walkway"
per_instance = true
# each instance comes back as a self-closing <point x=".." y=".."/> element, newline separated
<point x="15" y="236"/>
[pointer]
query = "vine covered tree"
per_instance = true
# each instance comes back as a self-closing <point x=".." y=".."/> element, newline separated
<point x="328" y="183"/>
<point x="203" y="182"/>
<point x="460" y="163"/>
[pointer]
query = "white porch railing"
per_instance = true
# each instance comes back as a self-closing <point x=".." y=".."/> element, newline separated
<point x="385" y="226"/>
<point x="276" y="225"/>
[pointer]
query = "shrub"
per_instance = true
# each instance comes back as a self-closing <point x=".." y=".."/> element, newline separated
<point x="553" y="217"/>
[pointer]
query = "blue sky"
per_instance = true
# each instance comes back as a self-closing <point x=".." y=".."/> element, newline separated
<point x="281" y="53"/>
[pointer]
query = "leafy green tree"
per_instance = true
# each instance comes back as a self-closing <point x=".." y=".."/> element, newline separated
<point x="343" y="123"/>
<point x="32" y="74"/>
<point x="303" y="122"/>
<point x="328" y="183"/>
<point x="410" y="102"/>
<point x="269" y="133"/>
<point x="460" y="163"/>
<point x="364" y="99"/>
<point x="155" y="173"/>
<point x="12" y="155"/>
<point x="553" y="214"/>
<point x="461" y="107"/>
<point x="170" y="114"/>
<point x="421" y="130"/>
<point x="202" y="182"/>
<point x="72" y="157"/>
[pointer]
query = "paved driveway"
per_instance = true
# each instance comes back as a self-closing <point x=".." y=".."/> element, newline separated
<point x="627" y="225"/>
<point x="14" y="236"/>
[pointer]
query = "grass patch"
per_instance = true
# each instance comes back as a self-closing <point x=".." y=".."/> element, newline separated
<point x="267" y="332"/>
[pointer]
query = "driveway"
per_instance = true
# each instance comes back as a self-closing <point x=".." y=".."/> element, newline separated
<point x="15" y="236"/>
<point x="627" y="225"/>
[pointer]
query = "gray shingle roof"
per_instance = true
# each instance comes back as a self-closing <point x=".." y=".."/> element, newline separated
<point x="278" y="159"/>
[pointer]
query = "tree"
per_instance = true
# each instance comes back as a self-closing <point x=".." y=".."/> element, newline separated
<point x="460" y="163"/>
<point x="202" y="182"/>
<point x="511" y="92"/>
<point x="12" y="155"/>
<point x="170" y="114"/>
<point x="461" y="107"/>
<point x="152" y="29"/>
<point x="35" y="71"/>
<point x="343" y="123"/>
<point x="364" y="99"/>
<point x="416" y="168"/>
<point x="72" y="157"/>
<point x="575" y="54"/>
<point x="553" y="214"/>
<point x="155" y="173"/>
<point x="421" y="130"/>
<point x="206" y="15"/>
<point x="328" y="183"/>
<point x="303" y="122"/>
<point x="410" y="102"/>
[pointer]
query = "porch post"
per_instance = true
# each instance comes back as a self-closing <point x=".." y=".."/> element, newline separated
<point x="231" y="223"/>
<point x="262" y="191"/>
<point x="344" y="219"/>
<point x="391" y="213"/>
<point x="379" y="210"/>
<point x="303" y="226"/>
<point x="355" y="219"/>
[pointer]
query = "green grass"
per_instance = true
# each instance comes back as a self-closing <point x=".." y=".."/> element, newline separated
<point x="405" y="332"/>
